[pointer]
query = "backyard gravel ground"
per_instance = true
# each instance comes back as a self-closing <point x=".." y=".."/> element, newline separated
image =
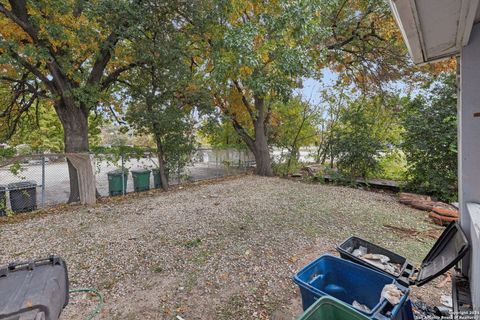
<point x="217" y="250"/>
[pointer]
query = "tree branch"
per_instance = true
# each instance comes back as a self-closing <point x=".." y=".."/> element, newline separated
<point x="354" y="33"/>
<point x="34" y="70"/>
<point x="26" y="84"/>
<point x="113" y="76"/>
<point x="244" y="99"/>
<point x="103" y="58"/>
<point x="19" y="16"/>
<point x="236" y="125"/>
<point x="115" y="115"/>
<point x="243" y="134"/>
<point x="342" y="43"/>
<point x="24" y="106"/>
<point x="340" y="10"/>
<point x="268" y="115"/>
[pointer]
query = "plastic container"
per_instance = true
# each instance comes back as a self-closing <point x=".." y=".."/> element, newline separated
<point x="347" y="247"/>
<point x="3" y="200"/>
<point x="450" y="248"/>
<point x="33" y="289"/>
<point x="348" y="282"/>
<point x="328" y="308"/>
<point x="141" y="180"/>
<point x="406" y="313"/>
<point x="23" y="196"/>
<point x="157" y="183"/>
<point x="115" y="182"/>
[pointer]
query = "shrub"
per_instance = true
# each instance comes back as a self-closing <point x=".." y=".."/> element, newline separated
<point x="430" y="140"/>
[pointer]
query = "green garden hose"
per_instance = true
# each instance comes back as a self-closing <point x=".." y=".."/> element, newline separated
<point x="100" y="301"/>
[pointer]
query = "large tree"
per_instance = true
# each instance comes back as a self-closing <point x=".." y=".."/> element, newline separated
<point x="65" y="52"/>
<point x="163" y="91"/>
<point x="160" y="103"/>
<point x="260" y="51"/>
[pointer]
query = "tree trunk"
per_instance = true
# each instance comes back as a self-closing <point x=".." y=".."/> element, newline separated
<point x="75" y="126"/>
<point x="325" y="153"/>
<point x="258" y="145"/>
<point x="320" y="149"/>
<point x="156" y="133"/>
<point x="318" y="154"/>
<point x="260" y="150"/>
<point x="262" y="157"/>
<point x="161" y="163"/>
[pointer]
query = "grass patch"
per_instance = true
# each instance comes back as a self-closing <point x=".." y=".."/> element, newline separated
<point x="192" y="243"/>
<point x="157" y="269"/>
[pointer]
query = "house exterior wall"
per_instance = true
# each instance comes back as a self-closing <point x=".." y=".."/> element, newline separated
<point x="474" y="212"/>
<point x="469" y="155"/>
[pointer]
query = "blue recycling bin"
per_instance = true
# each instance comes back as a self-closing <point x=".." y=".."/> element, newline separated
<point x="348" y="282"/>
<point x="406" y="313"/>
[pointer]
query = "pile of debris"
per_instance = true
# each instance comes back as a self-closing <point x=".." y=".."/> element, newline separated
<point x="378" y="260"/>
<point x="313" y="169"/>
<point x="441" y="213"/>
<point x="421" y="310"/>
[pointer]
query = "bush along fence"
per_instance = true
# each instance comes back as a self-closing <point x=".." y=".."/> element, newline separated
<point x="38" y="181"/>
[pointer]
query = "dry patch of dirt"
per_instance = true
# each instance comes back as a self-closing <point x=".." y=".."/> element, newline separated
<point x="224" y="250"/>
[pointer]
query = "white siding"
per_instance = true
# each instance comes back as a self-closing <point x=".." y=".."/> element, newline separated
<point x="469" y="154"/>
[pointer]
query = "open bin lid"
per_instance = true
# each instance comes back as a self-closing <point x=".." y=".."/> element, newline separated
<point x="450" y="248"/>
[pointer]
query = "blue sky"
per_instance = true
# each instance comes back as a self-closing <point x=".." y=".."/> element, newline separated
<point x="311" y="87"/>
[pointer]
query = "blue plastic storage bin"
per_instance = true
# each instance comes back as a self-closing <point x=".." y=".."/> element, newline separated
<point x="405" y="313"/>
<point x="348" y="281"/>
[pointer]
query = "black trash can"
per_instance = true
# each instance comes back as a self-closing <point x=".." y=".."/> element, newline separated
<point x="35" y="289"/>
<point x="23" y="196"/>
<point x="3" y="200"/>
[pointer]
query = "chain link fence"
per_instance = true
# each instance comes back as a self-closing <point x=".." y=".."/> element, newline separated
<point x="38" y="181"/>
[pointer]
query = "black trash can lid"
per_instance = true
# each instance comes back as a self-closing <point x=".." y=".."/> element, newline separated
<point x="141" y="171"/>
<point x="450" y="248"/>
<point x="22" y="185"/>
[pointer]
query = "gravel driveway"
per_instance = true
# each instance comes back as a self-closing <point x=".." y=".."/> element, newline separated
<point x="224" y="250"/>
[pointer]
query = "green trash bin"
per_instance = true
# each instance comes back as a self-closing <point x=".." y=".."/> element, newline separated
<point x="141" y="180"/>
<point x="115" y="182"/>
<point x="329" y="308"/>
<point x="157" y="183"/>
